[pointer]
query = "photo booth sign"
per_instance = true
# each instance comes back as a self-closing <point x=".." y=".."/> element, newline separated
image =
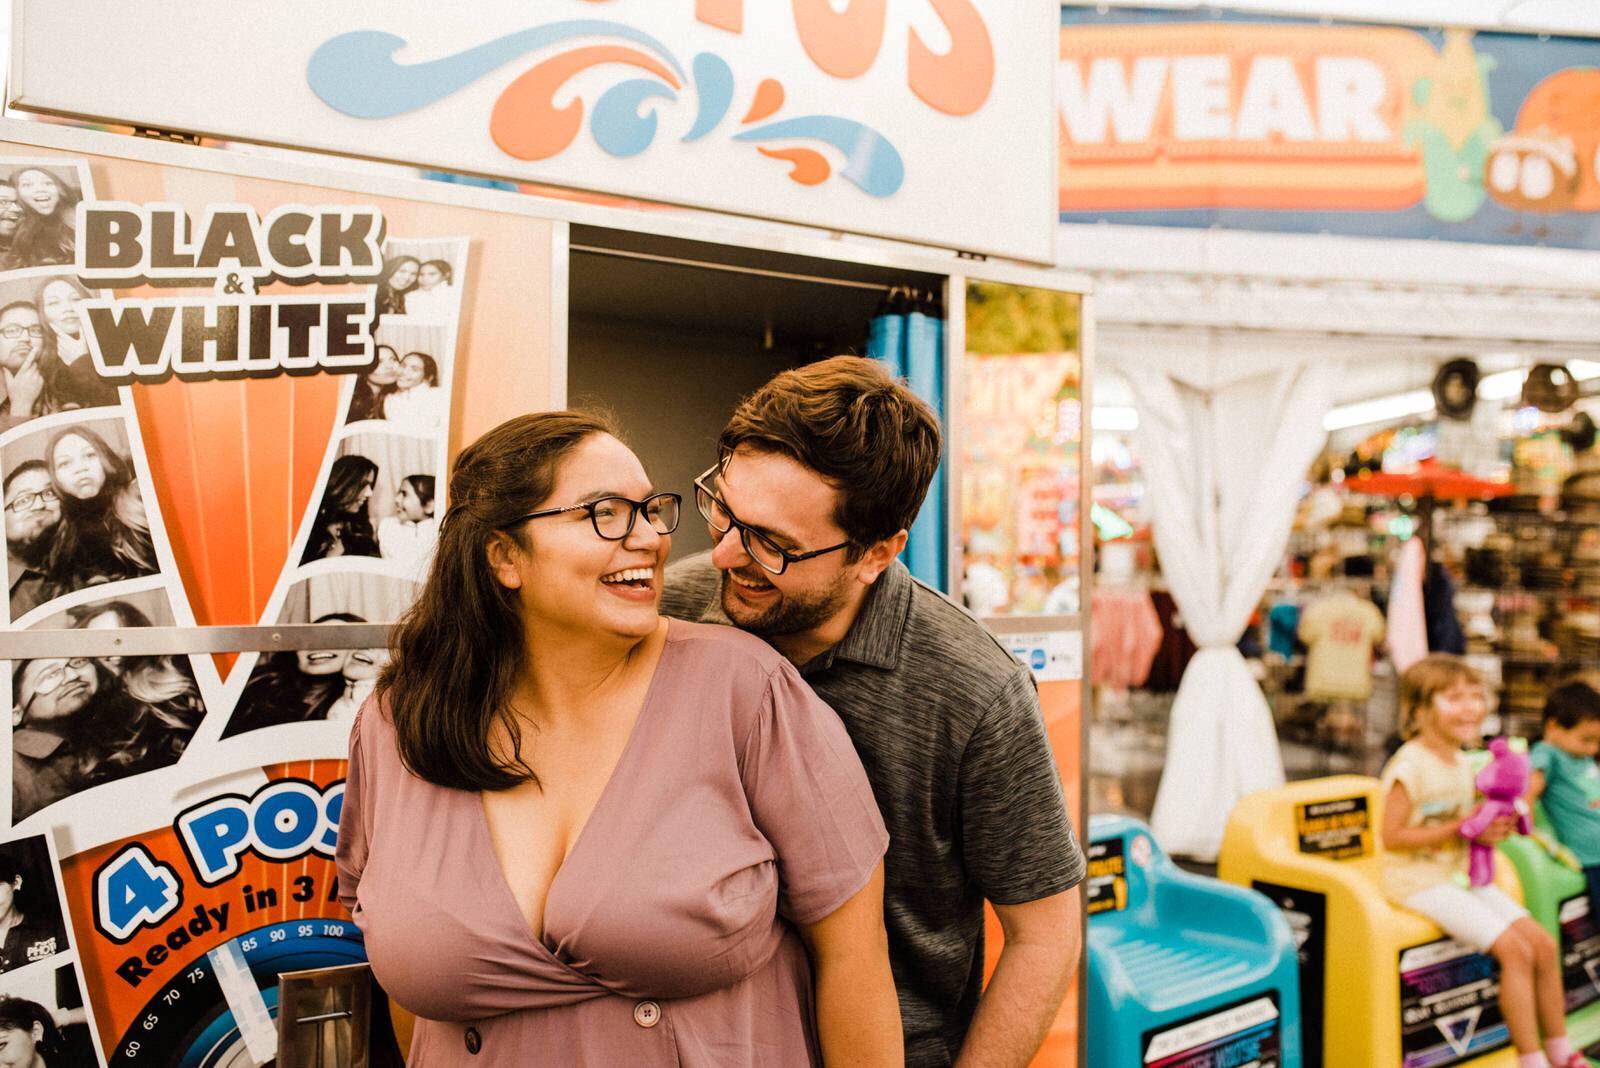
<point x="227" y="403"/>
<point x="889" y="117"/>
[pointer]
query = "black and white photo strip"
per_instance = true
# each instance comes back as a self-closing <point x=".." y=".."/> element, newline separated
<point x="45" y="364"/>
<point x="292" y="686"/>
<point x="38" y="212"/>
<point x="43" y="1014"/>
<point x="421" y="280"/>
<point x="406" y="386"/>
<point x="78" y="722"/>
<point x="379" y="502"/>
<point x="75" y="513"/>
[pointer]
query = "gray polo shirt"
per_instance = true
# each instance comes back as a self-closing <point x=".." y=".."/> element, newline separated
<point x="948" y="727"/>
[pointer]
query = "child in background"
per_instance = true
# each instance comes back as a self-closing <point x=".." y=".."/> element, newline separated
<point x="408" y="537"/>
<point x="1566" y="777"/>
<point x="1427" y="790"/>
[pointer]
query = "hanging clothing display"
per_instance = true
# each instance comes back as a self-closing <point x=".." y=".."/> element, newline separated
<point x="1340" y="630"/>
<point x="1176" y="648"/>
<point x="1126" y="635"/>
<point x="1283" y="624"/>
<point x="1439" y="611"/>
<point x="1407" y="623"/>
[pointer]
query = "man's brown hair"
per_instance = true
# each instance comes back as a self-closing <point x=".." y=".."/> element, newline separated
<point x="868" y="436"/>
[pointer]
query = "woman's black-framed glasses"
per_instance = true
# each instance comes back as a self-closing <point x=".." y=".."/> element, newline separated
<point x="613" y="516"/>
<point x="760" y="548"/>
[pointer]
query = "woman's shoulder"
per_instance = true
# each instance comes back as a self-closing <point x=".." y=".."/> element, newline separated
<point x="718" y="640"/>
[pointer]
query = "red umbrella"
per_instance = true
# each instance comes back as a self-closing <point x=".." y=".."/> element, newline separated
<point x="1429" y="479"/>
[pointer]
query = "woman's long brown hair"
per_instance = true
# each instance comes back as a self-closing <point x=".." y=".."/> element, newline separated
<point x="456" y="653"/>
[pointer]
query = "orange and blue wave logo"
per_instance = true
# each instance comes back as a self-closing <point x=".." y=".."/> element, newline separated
<point x="356" y="73"/>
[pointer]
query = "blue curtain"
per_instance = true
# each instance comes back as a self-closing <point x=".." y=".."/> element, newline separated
<point x="907" y="335"/>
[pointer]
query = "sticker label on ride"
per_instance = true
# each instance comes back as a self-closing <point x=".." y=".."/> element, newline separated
<point x="1108" y="879"/>
<point x="1449" y="1009"/>
<point x="1580" y="952"/>
<point x="1307" y="913"/>
<point x="1336" y="829"/>
<point x="1246" y="1034"/>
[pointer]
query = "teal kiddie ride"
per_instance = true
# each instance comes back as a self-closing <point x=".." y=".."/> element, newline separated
<point x="1183" y="969"/>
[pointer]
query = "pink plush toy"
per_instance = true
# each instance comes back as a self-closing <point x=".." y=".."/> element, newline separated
<point x="1502" y="782"/>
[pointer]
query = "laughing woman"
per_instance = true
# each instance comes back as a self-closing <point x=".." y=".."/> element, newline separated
<point x="49" y="213"/>
<point x="720" y="904"/>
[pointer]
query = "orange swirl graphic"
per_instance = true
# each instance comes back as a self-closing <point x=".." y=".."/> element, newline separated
<point x="525" y="122"/>
<point x="810" y="168"/>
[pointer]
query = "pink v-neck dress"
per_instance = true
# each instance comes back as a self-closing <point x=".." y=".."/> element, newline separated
<point x="737" y="809"/>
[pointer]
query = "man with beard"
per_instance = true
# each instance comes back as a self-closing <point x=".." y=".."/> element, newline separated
<point x="10" y="216"/>
<point x="21" y="342"/>
<point x="51" y="702"/>
<point x="819" y="477"/>
<point x="32" y="512"/>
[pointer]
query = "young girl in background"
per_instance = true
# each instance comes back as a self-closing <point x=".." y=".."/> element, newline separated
<point x="434" y="298"/>
<point x="408" y="537"/>
<point x="1566" y="777"/>
<point x="1428" y="791"/>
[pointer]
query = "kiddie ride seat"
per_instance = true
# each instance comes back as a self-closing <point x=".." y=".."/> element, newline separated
<point x="1380" y="986"/>
<point x="1557" y="896"/>
<point x="1183" y="970"/>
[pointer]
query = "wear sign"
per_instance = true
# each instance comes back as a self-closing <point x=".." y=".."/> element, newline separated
<point x="888" y="117"/>
<point x="1191" y="119"/>
<point x="1337" y="829"/>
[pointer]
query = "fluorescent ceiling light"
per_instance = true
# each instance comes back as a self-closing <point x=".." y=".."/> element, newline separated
<point x="1112" y="417"/>
<point x="1379" y="410"/>
<point x="1501" y="385"/>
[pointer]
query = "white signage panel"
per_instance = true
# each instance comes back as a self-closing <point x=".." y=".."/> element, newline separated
<point x="924" y="120"/>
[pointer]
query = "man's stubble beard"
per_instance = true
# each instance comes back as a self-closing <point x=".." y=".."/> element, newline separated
<point x="791" y="615"/>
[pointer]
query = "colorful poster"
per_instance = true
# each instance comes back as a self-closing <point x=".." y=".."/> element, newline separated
<point x="1023" y="416"/>
<point x="1449" y="1007"/>
<point x="1249" y="1032"/>
<point x="1580" y="952"/>
<point x="1263" y="123"/>
<point x="227" y="400"/>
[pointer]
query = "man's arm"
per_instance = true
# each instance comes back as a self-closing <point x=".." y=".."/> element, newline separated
<point x="1036" y="965"/>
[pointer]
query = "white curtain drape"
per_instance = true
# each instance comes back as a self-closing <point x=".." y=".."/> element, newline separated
<point x="1224" y="463"/>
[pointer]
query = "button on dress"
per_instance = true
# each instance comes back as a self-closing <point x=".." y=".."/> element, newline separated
<point x="737" y="810"/>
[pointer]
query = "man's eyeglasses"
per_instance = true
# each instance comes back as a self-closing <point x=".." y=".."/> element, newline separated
<point x="27" y="502"/>
<point x="51" y="679"/>
<point x="613" y="516"/>
<point x="11" y="333"/>
<point x="757" y="545"/>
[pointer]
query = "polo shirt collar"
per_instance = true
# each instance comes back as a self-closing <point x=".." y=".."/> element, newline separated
<point x="36" y="744"/>
<point x="874" y="638"/>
